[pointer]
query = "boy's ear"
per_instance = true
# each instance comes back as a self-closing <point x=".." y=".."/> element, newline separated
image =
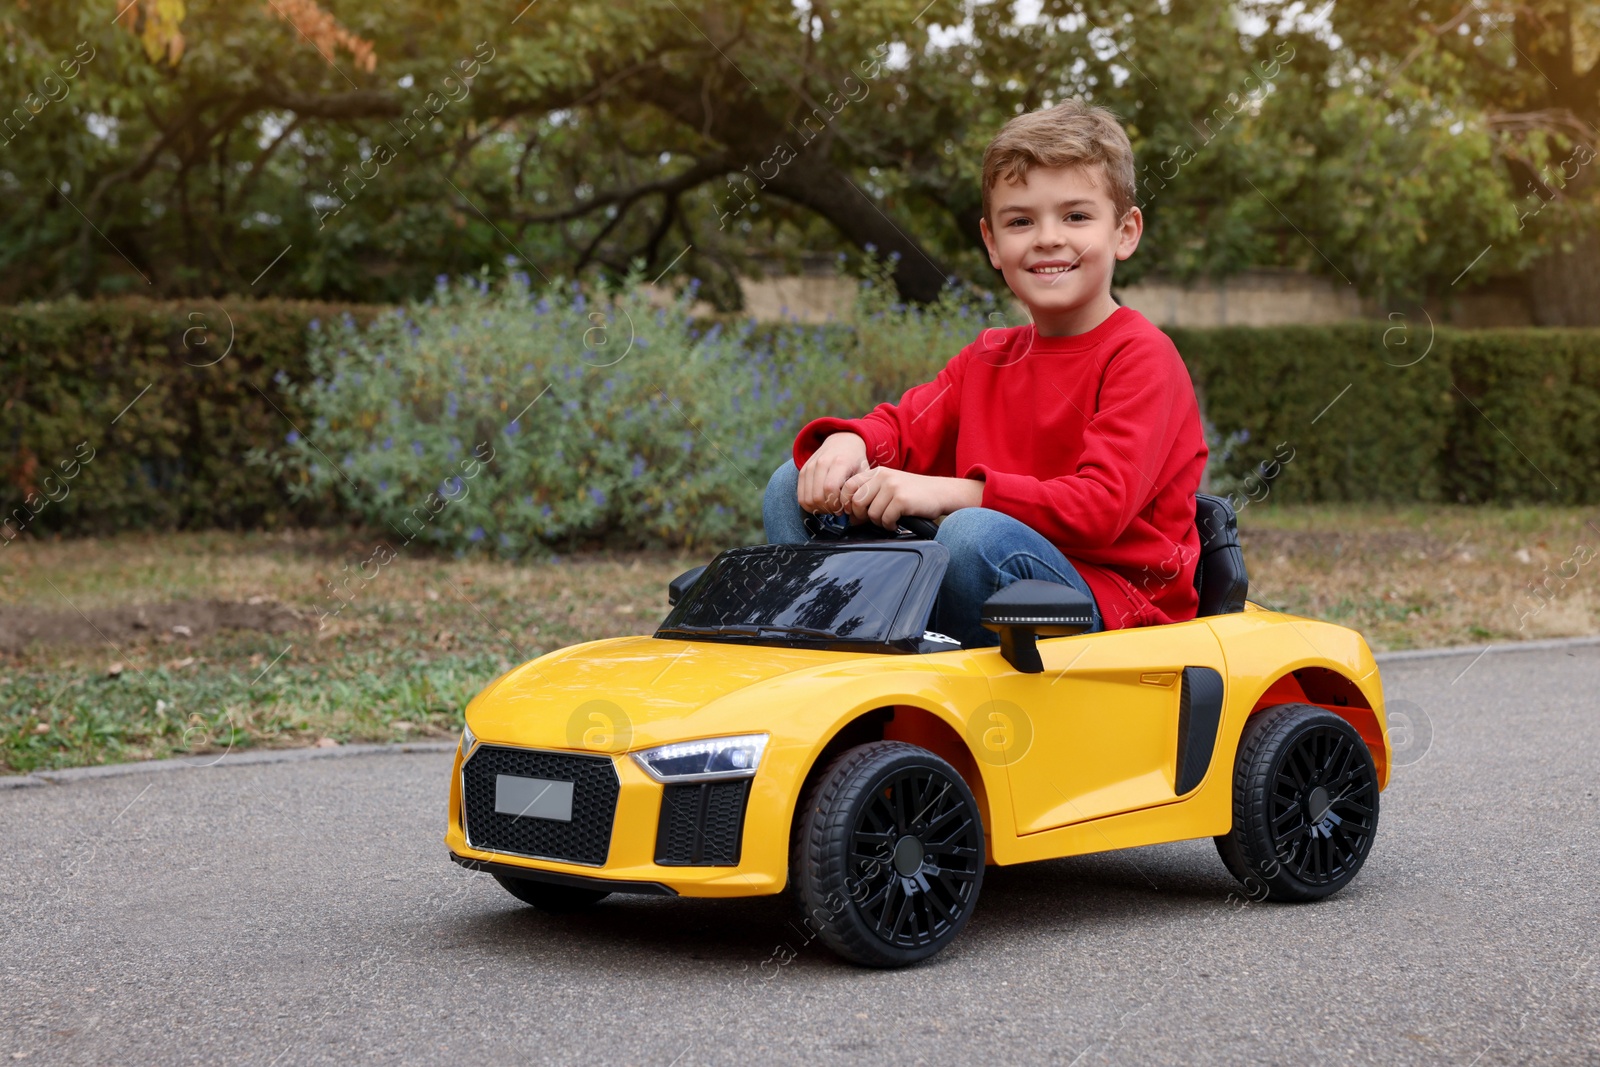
<point x="988" y="242"/>
<point x="1129" y="232"/>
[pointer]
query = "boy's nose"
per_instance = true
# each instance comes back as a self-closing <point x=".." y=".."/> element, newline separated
<point x="1049" y="237"/>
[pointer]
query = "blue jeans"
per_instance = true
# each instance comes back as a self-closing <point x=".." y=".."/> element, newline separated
<point x="988" y="551"/>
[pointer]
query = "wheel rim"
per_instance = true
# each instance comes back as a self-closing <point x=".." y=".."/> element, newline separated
<point x="1323" y="808"/>
<point x="915" y="858"/>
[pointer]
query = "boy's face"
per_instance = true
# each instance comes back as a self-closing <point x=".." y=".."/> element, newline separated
<point x="1055" y="237"/>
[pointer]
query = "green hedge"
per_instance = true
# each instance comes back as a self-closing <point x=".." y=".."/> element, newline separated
<point x="1369" y="412"/>
<point x="69" y="372"/>
<point x="1468" y="416"/>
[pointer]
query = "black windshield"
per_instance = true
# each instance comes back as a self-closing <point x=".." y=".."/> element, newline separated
<point x="841" y="595"/>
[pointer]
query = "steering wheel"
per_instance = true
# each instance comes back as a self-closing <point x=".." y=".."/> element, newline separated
<point x="919" y="528"/>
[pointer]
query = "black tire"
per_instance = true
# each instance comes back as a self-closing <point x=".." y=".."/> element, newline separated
<point x="1305" y="805"/>
<point x="890" y="856"/>
<point x="547" y="896"/>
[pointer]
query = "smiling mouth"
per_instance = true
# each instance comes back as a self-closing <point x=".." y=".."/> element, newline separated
<point x="1061" y="269"/>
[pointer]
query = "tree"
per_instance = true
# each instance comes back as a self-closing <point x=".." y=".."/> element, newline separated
<point x="1526" y="75"/>
<point x="331" y="149"/>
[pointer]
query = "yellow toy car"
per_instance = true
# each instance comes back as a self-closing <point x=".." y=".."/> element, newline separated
<point x="792" y="724"/>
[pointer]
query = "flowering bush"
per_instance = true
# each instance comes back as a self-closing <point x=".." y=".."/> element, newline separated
<point x="514" y="418"/>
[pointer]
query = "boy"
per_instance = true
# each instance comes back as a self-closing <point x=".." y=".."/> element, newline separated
<point x="1068" y="450"/>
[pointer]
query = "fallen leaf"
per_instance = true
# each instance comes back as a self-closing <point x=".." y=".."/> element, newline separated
<point x="182" y="631"/>
<point x="433" y="594"/>
<point x="114" y="670"/>
<point x="1523" y="555"/>
<point x="42" y="728"/>
<point x="180" y="664"/>
<point x="257" y="600"/>
<point x="326" y="742"/>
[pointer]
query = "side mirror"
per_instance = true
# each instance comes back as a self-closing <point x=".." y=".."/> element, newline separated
<point x="680" y="585"/>
<point x="1023" y="610"/>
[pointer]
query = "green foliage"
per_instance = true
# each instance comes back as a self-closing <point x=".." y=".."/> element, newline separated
<point x="1526" y="423"/>
<point x="1406" y="413"/>
<point x="1390" y="155"/>
<point x="507" y="419"/>
<point x="151" y="406"/>
<point x="647" y="427"/>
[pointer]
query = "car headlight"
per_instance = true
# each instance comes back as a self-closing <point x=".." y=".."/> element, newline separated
<point x="694" y="761"/>
<point x="467" y="739"/>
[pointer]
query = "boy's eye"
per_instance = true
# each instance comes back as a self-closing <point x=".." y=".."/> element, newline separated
<point x="1077" y="216"/>
<point x="1020" y="220"/>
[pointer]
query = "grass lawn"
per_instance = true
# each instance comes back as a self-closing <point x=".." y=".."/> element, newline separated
<point x="412" y="644"/>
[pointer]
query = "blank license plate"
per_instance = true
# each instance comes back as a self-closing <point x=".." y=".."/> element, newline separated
<point x="533" y="798"/>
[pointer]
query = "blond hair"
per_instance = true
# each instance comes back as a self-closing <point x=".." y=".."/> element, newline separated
<point x="1070" y="134"/>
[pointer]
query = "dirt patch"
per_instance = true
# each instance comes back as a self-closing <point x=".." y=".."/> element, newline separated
<point x="182" y="619"/>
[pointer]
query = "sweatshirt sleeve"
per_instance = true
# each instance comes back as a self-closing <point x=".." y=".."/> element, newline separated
<point x="1143" y="399"/>
<point x="917" y="435"/>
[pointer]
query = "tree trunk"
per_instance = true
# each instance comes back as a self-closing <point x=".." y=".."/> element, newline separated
<point x="1564" y="287"/>
<point x="827" y="190"/>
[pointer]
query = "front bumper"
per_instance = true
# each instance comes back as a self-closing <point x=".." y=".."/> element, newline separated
<point x="572" y="881"/>
<point x="629" y="863"/>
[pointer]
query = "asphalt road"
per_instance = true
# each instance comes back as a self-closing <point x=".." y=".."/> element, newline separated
<point x="306" y="913"/>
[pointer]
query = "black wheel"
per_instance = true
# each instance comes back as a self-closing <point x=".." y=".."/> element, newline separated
<point x="547" y="896"/>
<point x="1305" y="804"/>
<point x="890" y="856"/>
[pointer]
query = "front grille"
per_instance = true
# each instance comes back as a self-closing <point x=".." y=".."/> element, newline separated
<point x="701" y="824"/>
<point x="586" y="839"/>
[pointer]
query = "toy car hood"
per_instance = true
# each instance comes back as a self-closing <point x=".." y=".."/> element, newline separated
<point x="628" y="692"/>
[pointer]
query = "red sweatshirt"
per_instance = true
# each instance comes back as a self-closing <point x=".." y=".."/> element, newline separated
<point x="1093" y="440"/>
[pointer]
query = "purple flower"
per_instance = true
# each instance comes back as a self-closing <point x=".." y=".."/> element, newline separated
<point x="383" y="487"/>
<point x="544" y="511"/>
<point x="638" y="466"/>
<point x="416" y="447"/>
<point x="476" y="534"/>
<point x="442" y="281"/>
<point x="598" y="496"/>
<point x="512" y="428"/>
<point x="388" y="443"/>
<point x="315" y="325"/>
<point x="292" y="436"/>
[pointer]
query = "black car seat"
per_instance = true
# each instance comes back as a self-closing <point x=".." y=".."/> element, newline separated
<point x="1219" y="576"/>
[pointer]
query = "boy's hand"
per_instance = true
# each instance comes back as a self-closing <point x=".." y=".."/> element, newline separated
<point x="842" y="456"/>
<point x="882" y="496"/>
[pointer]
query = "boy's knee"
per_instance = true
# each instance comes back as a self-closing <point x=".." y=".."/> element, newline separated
<point x="785" y="479"/>
<point x="967" y="532"/>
